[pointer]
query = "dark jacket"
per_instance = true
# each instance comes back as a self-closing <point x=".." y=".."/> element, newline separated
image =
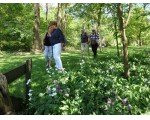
<point x="46" y="40"/>
<point x="84" y="38"/>
<point x="56" y="37"/>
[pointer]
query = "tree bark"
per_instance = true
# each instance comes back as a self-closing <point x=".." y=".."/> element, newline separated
<point x="46" y="10"/>
<point x="61" y="16"/>
<point x="37" y="40"/>
<point x="116" y="36"/>
<point x="99" y="25"/>
<point x="139" y="38"/>
<point x="122" y="26"/>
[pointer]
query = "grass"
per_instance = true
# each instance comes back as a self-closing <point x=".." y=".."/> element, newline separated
<point x="9" y="61"/>
<point x="71" y="61"/>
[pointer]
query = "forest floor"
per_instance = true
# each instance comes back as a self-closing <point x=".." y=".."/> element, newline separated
<point x="74" y="65"/>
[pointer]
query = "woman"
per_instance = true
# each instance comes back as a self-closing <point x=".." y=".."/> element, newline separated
<point x="94" y="38"/>
<point x="47" y="48"/>
<point x="56" y="41"/>
<point x="84" y="42"/>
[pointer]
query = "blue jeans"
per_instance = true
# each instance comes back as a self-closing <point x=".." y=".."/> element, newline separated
<point x="55" y="52"/>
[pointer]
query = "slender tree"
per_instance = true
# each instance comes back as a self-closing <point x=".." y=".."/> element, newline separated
<point x="46" y="10"/>
<point x="61" y="16"/>
<point x="122" y="25"/>
<point x="113" y="11"/>
<point x="116" y="36"/>
<point x="37" y="40"/>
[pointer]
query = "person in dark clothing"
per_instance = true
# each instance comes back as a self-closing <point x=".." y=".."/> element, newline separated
<point x="94" y="38"/>
<point x="84" y="42"/>
<point x="56" y="41"/>
<point x="47" y="48"/>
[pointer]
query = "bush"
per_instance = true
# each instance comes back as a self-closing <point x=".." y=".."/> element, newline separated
<point x="16" y="45"/>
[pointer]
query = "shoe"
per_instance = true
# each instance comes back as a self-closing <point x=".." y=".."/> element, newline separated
<point x="48" y="66"/>
<point x="61" y="70"/>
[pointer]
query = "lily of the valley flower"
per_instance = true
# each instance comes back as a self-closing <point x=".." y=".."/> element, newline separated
<point x="28" y="81"/>
<point x="125" y="101"/>
<point x="109" y="101"/>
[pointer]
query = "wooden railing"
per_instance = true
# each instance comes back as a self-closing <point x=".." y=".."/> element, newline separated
<point x="9" y="77"/>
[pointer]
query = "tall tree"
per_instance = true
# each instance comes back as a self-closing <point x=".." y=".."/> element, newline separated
<point x="113" y="11"/>
<point x="122" y="25"/>
<point x="61" y="16"/>
<point x="98" y="20"/>
<point x="37" y="40"/>
<point x="46" y="10"/>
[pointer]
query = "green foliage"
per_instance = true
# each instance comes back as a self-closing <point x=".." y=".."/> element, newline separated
<point x="16" y="27"/>
<point x="139" y="26"/>
<point x="87" y="86"/>
<point x="17" y="21"/>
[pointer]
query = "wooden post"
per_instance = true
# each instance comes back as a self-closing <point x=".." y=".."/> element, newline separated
<point x="27" y="81"/>
<point x="5" y="101"/>
<point x="6" y="78"/>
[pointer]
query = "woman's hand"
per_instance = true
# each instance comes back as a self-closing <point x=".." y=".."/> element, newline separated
<point x="49" y="33"/>
<point x="50" y="30"/>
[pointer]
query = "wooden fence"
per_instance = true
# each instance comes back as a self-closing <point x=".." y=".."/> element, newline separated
<point x="9" y="77"/>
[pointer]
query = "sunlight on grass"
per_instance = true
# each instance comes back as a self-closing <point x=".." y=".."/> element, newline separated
<point x="83" y="78"/>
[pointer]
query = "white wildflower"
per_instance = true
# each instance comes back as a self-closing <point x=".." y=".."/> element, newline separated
<point x="54" y="89"/>
<point x="29" y="94"/>
<point x="41" y="94"/>
<point x="109" y="101"/>
<point x="48" y="89"/>
<point x="67" y="94"/>
<point x="30" y="90"/>
<point x="47" y="69"/>
<point x="129" y="107"/>
<point x="30" y="99"/>
<point x="53" y="94"/>
<point x="28" y="81"/>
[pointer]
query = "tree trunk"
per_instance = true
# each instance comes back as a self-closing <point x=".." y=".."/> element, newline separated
<point x="99" y="25"/>
<point x="46" y="10"/>
<point x="61" y="16"/>
<point x="116" y="36"/>
<point x="37" y="40"/>
<point x="139" y="38"/>
<point x="124" y="40"/>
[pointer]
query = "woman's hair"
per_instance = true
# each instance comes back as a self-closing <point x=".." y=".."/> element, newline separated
<point x="94" y="30"/>
<point x="53" y="23"/>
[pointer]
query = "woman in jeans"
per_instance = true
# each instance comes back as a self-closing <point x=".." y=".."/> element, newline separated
<point x="53" y="42"/>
